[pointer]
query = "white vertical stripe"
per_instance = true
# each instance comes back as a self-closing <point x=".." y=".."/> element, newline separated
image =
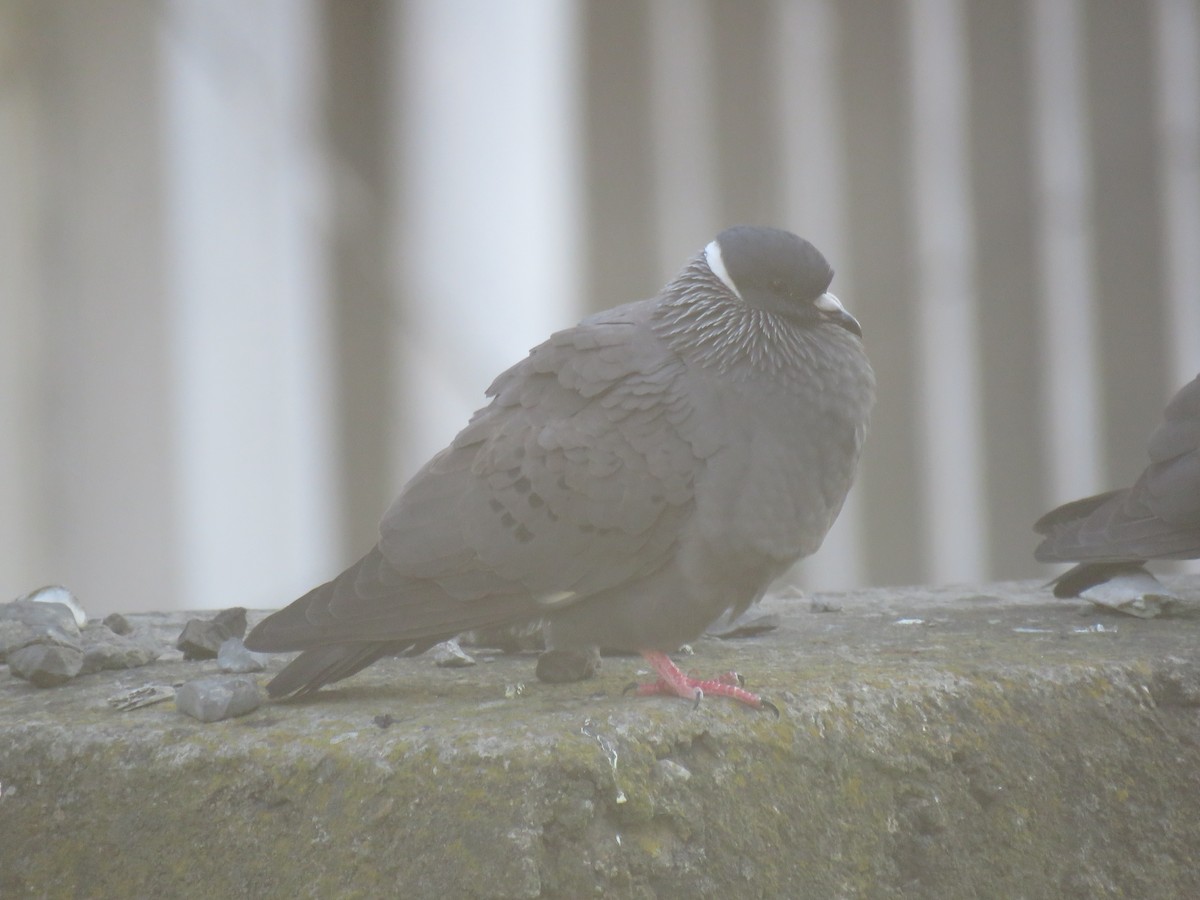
<point x="250" y="349"/>
<point x="1062" y="186"/>
<point x="1177" y="58"/>
<point x="683" y="130"/>
<point x="811" y="128"/>
<point x="946" y="293"/>
<point x="488" y="251"/>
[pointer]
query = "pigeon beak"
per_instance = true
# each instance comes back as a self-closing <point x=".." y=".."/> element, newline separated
<point x="832" y="307"/>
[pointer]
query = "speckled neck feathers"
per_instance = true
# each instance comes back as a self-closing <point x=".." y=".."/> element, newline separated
<point x="702" y="323"/>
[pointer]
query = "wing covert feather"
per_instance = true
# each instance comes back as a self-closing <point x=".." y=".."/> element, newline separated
<point x="575" y="478"/>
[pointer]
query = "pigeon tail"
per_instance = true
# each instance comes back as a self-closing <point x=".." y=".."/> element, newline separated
<point x="315" y="668"/>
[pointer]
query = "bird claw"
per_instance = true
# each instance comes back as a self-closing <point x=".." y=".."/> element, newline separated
<point x="674" y="683"/>
<point x="734" y="678"/>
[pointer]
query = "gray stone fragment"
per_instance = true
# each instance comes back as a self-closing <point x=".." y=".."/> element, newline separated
<point x="201" y="639"/>
<point x="673" y="771"/>
<point x="217" y="698"/>
<point x="13" y="634"/>
<point x="46" y="653"/>
<point x="562" y="666"/>
<point x="448" y="655"/>
<point x="820" y="605"/>
<point x="118" y="623"/>
<point x="105" y="649"/>
<point x="56" y="593"/>
<point x="38" y="614"/>
<point x="232" y="656"/>
<point x="47" y="664"/>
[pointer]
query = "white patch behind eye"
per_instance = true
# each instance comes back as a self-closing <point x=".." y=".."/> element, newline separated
<point x="712" y="256"/>
<point x="827" y="302"/>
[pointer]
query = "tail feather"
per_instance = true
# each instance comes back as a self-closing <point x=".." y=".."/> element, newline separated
<point x="1078" y="579"/>
<point x="368" y="612"/>
<point x="315" y="668"/>
<point x="371" y="603"/>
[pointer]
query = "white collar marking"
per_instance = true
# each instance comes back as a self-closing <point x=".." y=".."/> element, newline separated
<point x="712" y="256"/>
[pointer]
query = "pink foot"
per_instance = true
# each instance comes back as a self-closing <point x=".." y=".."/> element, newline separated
<point x="672" y="682"/>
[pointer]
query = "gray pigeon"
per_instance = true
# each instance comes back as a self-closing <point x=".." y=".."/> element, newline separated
<point x="632" y="479"/>
<point x="1157" y="518"/>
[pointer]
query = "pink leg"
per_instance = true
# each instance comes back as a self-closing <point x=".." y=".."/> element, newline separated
<point x="673" y="682"/>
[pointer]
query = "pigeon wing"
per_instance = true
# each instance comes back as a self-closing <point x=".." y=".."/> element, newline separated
<point x="1157" y="518"/>
<point x="574" y="479"/>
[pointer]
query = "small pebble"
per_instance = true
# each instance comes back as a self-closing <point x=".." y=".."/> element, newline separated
<point x="448" y="655"/>
<point x="43" y="645"/>
<point x="105" y="649"/>
<point x="673" y="771"/>
<point x="56" y="593"/>
<point x="214" y="699"/>
<point x="117" y="623"/>
<point x="36" y="614"/>
<point x="823" y="606"/>
<point x="232" y="656"/>
<point x="564" y="666"/>
<point x="202" y="638"/>
<point x="46" y="664"/>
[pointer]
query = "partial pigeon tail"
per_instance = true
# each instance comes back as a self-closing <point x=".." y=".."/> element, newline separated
<point x="1080" y="578"/>
<point x="313" y="669"/>
<point x="390" y="616"/>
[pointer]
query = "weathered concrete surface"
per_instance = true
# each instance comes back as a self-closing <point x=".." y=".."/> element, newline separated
<point x="955" y="758"/>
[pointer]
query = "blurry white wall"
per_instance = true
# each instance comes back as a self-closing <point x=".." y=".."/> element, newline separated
<point x="486" y="243"/>
<point x="260" y="258"/>
<point x="245" y="293"/>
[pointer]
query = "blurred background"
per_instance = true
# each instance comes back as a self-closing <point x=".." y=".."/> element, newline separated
<point x="260" y="258"/>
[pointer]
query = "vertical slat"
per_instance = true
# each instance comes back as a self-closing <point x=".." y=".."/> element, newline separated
<point x="1127" y="228"/>
<point x="251" y="397"/>
<point x="804" y="57"/>
<point x="1177" y="92"/>
<point x="1009" y="352"/>
<point x="951" y="422"/>
<point x="747" y="140"/>
<point x="486" y="251"/>
<point x="109" y="499"/>
<point x="620" y="252"/>
<point x="358" y="47"/>
<point x="1062" y="158"/>
<point x="872" y="74"/>
<point x="683" y="128"/>
<point x="24" y="360"/>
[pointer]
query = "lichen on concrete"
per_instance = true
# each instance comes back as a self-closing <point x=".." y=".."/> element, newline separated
<point x="997" y="749"/>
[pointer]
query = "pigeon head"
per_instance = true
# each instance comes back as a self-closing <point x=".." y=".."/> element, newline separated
<point x="776" y="271"/>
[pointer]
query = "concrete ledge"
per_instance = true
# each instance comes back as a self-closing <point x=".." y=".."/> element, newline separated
<point x="987" y="750"/>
